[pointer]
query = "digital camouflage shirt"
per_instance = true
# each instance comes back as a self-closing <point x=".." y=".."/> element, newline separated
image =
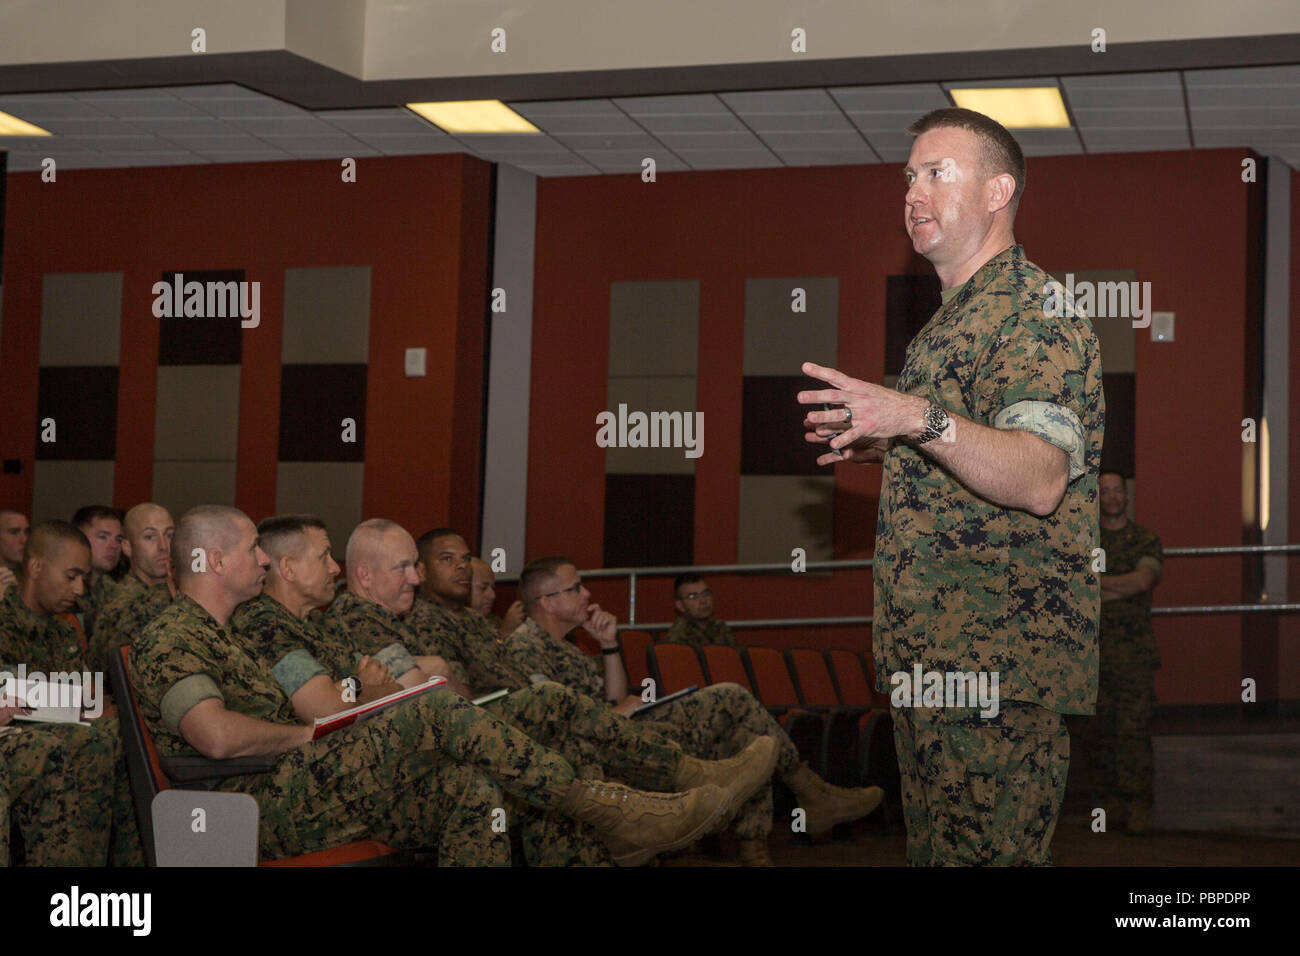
<point x="296" y="650"/>
<point x="43" y="643"/>
<point x="688" y="630"/>
<point x="465" y="636"/>
<point x="962" y="584"/>
<point x="184" y="657"/>
<point x="93" y="601"/>
<point x="364" y="627"/>
<point x="131" y="606"/>
<point x="1126" y="635"/>
<point x="533" y="651"/>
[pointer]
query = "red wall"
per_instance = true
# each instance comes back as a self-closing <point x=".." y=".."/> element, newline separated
<point x="421" y="223"/>
<point x="1151" y="212"/>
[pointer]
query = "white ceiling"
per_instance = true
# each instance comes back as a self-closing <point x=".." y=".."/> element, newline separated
<point x="1255" y="107"/>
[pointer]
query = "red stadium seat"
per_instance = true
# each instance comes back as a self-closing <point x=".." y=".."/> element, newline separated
<point x="724" y="665"/>
<point x="148" y="775"/>
<point x="635" y="644"/>
<point x="777" y="692"/>
<point x="772" y="681"/>
<point x="812" y="681"/>
<point x="850" y="679"/>
<point x="675" y="667"/>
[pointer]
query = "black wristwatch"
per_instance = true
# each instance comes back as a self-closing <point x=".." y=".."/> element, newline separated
<point x="610" y="650"/>
<point x="936" y="423"/>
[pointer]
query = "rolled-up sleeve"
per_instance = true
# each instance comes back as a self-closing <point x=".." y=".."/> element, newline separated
<point x="295" y="669"/>
<point x="183" y="695"/>
<point x="1054" y="424"/>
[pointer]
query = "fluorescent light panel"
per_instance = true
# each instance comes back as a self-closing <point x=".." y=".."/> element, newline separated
<point x="1033" y="107"/>
<point x="473" y="116"/>
<point x="11" y="125"/>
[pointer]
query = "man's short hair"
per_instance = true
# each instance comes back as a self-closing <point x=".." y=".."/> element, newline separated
<point x="6" y="510"/>
<point x="1111" y="471"/>
<point x="537" y="576"/>
<point x="690" y="577"/>
<point x="42" y="538"/>
<point x="424" y="543"/>
<point x="284" y="534"/>
<point x="999" y="151"/>
<point x="210" y="527"/>
<point x="89" y="514"/>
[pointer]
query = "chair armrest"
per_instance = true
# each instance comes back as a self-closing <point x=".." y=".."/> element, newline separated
<point x="198" y="769"/>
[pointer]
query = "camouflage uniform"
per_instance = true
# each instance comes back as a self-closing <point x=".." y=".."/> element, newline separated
<point x="964" y="585"/>
<point x="696" y="633"/>
<point x="713" y="723"/>
<point x="93" y="601"/>
<point x="469" y="638"/>
<point x="52" y="644"/>
<point x="585" y="731"/>
<point x="1118" y="739"/>
<point x="418" y="774"/>
<point x="296" y="649"/>
<point x="131" y="606"/>
<point x="51" y="782"/>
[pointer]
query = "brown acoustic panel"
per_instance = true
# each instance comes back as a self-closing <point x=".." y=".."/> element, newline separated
<point x="314" y="401"/>
<point x="649" y="520"/>
<point x="83" y="403"/>
<point x="200" y="341"/>
<point x="772" y="441"/>
<point x="910" y="300"/>
<point x="1117" y="446"/>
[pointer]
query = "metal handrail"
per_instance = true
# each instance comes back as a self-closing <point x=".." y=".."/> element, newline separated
<point x="784" y="567"/>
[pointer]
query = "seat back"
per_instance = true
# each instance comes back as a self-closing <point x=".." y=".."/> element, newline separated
<point x="674" y="667"/>
<point x="227" y="836"/>
<point x="850" y="679"/>
<point x="772" y="680"/>
<point x="724" y="665"/>
<point x="812" y="681"/>
<point x="635" y="644"/>
<point x="142" y="766"/>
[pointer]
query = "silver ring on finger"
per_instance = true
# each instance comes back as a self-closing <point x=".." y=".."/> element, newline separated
<point x="848" y="415"/>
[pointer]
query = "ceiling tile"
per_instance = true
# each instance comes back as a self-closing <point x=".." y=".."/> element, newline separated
<point x="740" y="139"/>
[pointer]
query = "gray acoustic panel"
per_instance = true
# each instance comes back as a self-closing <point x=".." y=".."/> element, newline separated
<point x="662" y="395"/>
<point x="331" y="490"/>
<point x="654" y="328"/>
<point x="59" y="488"/>
<point x="1115" y="336"/>
<point x="326" y="315"/>
<point x="81" y="318"/>
<point x="777" y="339"/>
<point x="180" y="485"/>
<point x="779" y="513"/>
<point x="196" y="413"/>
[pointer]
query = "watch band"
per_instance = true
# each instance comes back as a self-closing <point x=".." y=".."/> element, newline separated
<point x="610" y="650"/>
<point x="936" y="423"/>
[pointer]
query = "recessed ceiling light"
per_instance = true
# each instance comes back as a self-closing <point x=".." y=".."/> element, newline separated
<point x="13" y="126"/>
<point x="473" y="116"/>
<point x="1030" y="107"/>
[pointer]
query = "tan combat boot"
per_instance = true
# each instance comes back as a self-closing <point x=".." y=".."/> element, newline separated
<point x="637" y="825"/>
<point x="827" y="805"/>
<point x="754" y="852"/>
<point x="740" y="775"/>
